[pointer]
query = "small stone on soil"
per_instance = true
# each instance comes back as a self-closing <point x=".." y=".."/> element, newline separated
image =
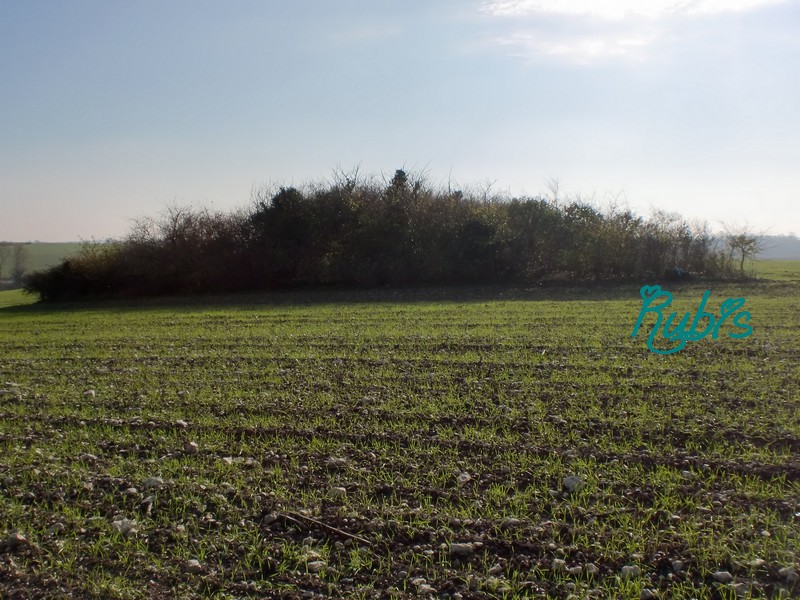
<point x="510" y="523"/>
<point x="315" y="566"/>
<point x="572" y="483"/>
<point x="124" y="526"/>
<point x="741" y="589"/>
<point x="16" y="540"/>
<point x="630" y="572"/>
<point x="193" y="566"/>
<point x="462" y="550"/>
<point x="559" y="565"/>
<point x="789" y="574"/>
<point x="152" y="482"/>
<point x="337" y="493"/>
<point x="722" y="576"/>
<point x="336" y="462"/>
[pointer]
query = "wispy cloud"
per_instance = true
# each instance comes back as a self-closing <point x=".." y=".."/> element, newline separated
<point x="617" y="9"/>
<point x="593" y="31"/>
<point x="577" y="47"/>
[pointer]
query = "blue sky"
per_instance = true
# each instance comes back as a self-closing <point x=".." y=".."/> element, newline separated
<point x="112" y="110"/>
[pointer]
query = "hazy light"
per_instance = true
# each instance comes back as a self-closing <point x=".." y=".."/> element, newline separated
<point x="618" y="9"/>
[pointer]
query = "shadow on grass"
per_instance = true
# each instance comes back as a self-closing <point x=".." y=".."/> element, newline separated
<point x="438" y="294"/>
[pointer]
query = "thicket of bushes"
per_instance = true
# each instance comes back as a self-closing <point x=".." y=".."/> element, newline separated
<point x="362" y="232"/>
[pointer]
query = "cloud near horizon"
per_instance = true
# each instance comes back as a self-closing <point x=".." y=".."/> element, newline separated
<point x="585" y="32"/>
<point x="617" y="9"/>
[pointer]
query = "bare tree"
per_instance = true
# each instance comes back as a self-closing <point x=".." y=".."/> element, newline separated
<point x="347" y="180"/>
<point x="553" y="187"/>
<point x="5" y="252"/>
<point x="20" y="258"/>
<point x="744" y="241"/>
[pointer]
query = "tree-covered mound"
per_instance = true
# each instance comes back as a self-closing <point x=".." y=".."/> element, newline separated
<point x="364" y="232"/>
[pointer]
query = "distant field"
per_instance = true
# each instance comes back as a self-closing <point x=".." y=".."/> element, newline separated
<point x="41" y="255"/>
<point x="398" y="444"/>
<point x="781" y="270"/>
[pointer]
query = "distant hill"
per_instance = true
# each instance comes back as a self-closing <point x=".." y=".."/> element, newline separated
<point x="781" y="247"/>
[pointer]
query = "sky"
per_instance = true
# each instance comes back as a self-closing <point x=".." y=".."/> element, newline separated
<point x="111" y="111"/>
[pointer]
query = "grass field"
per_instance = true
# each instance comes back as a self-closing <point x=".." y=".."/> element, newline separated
<point x="398" y="444"/>
<point x="779" y="270"/>
<point x="9" y="298"/>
